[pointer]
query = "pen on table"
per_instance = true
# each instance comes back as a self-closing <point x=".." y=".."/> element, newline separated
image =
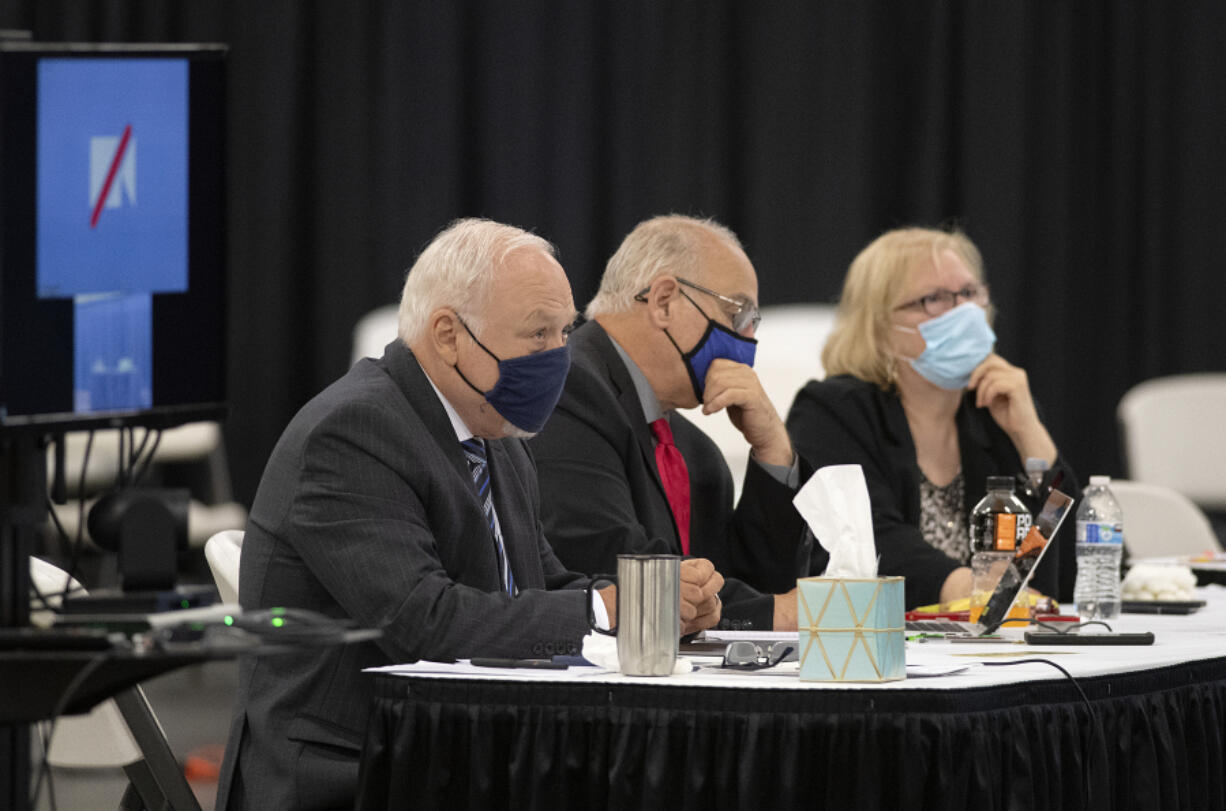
<point x="534" y="664"/>
<point x="924" y="637"/>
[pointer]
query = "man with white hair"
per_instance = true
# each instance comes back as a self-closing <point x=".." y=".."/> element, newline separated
<point x="395" y="499"/>
<point x="621" y="471"/>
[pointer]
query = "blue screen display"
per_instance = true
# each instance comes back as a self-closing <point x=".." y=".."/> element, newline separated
<point x="112" y="213"/>
<point x="112" y="176"/>
<point x="113" y="352"/>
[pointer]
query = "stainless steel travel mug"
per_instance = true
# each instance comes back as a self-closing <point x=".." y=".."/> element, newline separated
<point x="648" y="613"/>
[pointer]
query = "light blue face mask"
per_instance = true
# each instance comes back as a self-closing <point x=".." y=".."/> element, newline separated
<point x="955" y="343"/>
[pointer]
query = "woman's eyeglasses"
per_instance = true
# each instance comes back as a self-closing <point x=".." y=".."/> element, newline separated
<point x="942" y="300"/>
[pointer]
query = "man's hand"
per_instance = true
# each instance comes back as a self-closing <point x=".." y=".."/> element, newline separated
<point x="786" y="614"/>
<point x="735" y="387"/>
<point x="1004" y="390"/>
<point x="700" y="585"/>
<point x="956" y="586"/>
<point x="609" y="595"/>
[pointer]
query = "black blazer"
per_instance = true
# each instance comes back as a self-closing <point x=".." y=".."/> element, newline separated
<point x="844" y="420"/>
<point x="366" y="510"/>
<point x="601" y="493"/>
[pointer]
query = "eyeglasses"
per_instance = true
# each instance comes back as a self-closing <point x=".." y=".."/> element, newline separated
<point x="749" y="656"/>
<point x="745" y="317"/>
<point x="939" y="301"/>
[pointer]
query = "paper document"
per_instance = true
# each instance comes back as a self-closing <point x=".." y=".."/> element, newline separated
<point x="748" y="636"/>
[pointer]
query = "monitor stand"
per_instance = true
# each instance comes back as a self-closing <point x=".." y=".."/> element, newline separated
<point x="23" y="508"/>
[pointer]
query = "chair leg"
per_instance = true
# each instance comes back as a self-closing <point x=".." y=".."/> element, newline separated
<point x="142" y="793"/>
<point x="166" y="776"/>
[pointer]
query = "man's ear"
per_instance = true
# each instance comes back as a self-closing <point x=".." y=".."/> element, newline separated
<point x="663" y="298"/>
<point x="442" y="331"/>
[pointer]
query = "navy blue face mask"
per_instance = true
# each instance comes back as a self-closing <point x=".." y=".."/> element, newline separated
<point x="717" y="342"/>
<point x="528" y="386"/>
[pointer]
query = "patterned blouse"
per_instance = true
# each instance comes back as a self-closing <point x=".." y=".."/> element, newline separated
<point x="943" y="517"/>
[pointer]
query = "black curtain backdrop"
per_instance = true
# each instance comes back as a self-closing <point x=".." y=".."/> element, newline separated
<point x="1080" y="145"/>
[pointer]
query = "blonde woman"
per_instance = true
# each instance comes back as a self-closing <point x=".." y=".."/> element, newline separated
<point x="916" y="394"/>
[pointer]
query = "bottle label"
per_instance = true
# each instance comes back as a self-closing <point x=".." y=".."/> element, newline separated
<point x="1024" y="522"/>
<point x="1006" y="532"/>
<point x="1089" y="532"/>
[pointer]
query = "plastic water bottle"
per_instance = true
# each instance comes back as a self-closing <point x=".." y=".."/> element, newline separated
<point x="999" y="522"/>
<point x="1100" y="544"/>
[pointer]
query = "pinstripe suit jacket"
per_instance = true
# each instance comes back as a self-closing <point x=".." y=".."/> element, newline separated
<point x="602" y="494"/>
<point x="366" y="510"/>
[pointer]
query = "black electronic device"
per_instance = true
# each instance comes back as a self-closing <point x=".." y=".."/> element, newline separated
<point x="1051" y="638"/>
<point x="1161" y="606"/>
<point x="112" y="258"/>
<point x="112" y="250"/>
<point x="528" y="664"/>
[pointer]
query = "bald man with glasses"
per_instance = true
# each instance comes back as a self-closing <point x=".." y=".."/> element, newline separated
<point x="621" y="471"/>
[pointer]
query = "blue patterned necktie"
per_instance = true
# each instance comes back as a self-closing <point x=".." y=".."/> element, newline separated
<point x="478" y="466"/>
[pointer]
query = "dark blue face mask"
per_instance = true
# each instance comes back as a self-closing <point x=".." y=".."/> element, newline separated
<point x="528" y="386"/>
<point x="717" y="342"/>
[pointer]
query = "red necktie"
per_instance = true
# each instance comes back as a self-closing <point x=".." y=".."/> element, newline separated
<point x="676" y="479"/>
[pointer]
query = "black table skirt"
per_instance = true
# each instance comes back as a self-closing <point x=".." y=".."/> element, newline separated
<point x="1155" y="740"/>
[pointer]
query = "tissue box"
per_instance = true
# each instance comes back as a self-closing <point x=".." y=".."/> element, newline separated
<point x="851" y="629"/>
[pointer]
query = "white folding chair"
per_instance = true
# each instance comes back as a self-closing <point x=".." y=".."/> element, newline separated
<point x="1161" y="522"/>
<point x="223" y="552"/>
<point x="373" y="332"/>
<point x="1174" y="431"/>
<point x="99" y="739"/>
<point x="120" y="732"/>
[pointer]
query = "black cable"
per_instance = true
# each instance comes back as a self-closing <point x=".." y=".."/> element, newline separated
<point x="120" y="474"/>
<point x="134" y="451"/>
<point x="1067" y="675"/>
<point x="46" y="745"/>
<point x="1096" y="724"/>
<point x="44" y="599"/>
<point x="157" y="440"/>
<point x="75" y="546"/>
<point x="1070" y="628"/>
<point x="44" y="771"/>
<point x="38" y="595"/>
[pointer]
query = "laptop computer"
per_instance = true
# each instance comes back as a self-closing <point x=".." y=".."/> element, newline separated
<point x="1016" y="576"/>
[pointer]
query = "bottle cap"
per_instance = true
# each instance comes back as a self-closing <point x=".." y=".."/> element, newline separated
<point x="1099" y="481"/>
<point x="1000" y="482"/>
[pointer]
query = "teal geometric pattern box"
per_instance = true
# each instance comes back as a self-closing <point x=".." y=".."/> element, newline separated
<point x="851" y="629"/>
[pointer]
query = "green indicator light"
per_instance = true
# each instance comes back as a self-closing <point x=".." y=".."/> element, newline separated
<point x="277" y="622"/>
<point x="229" y="620"/>
<point x="185" y="604"/>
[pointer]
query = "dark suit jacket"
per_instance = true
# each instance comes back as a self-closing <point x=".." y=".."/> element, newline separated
<point x="601" y="493"/>
<point x="367" y="511"/>
<point x="844" y="420"/>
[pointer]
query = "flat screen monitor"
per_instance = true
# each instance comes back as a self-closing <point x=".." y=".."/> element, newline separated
<point x="112" y="250"/>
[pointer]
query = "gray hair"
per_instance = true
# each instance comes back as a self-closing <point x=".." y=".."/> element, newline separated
<point x="455" y="270"/>
<point x="662" y="245"/>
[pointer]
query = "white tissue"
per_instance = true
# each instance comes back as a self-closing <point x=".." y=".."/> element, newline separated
<point x="1154" y="581"/>
<point x="835" y="505"/>
<point x="601" y="651"/>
